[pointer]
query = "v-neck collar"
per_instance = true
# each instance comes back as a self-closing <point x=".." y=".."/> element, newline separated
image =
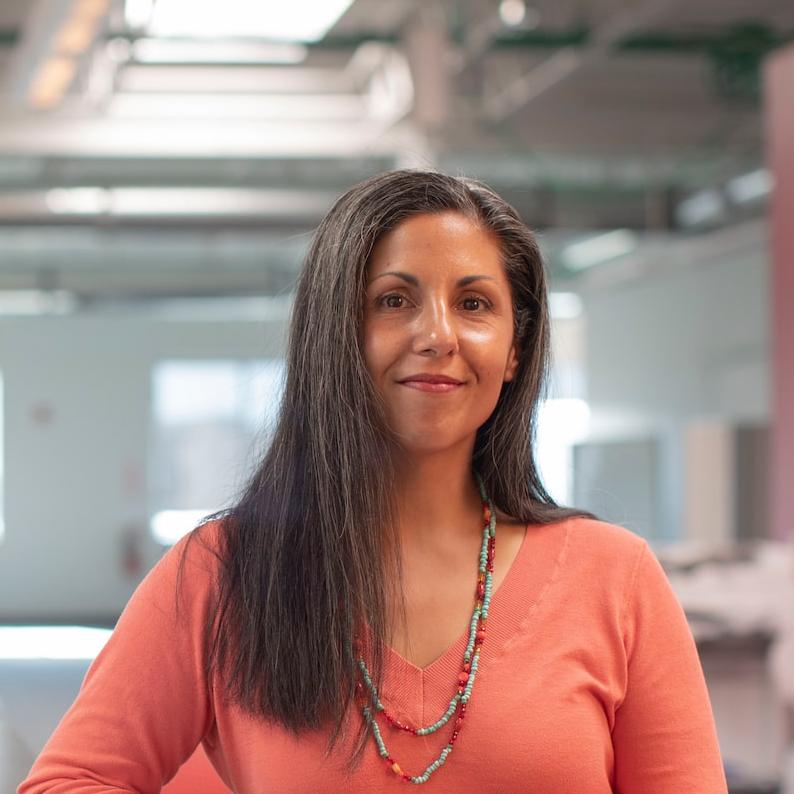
<point x="411" y="691"/>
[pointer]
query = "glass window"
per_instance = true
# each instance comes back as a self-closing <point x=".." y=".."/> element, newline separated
<point x="211" y="422"/>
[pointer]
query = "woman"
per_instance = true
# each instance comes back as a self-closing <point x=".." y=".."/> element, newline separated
<point x="395" y="597"/>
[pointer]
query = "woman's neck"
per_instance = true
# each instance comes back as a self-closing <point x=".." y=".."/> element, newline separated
<point x="437" y="498"/>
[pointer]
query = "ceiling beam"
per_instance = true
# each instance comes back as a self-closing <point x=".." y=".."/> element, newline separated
<point x="562" y="64"/>
<point x="99" y="137"/>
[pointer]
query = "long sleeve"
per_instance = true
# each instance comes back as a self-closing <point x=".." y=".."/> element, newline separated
<point x="664" y="735"/>
<point x="144" y="704"/>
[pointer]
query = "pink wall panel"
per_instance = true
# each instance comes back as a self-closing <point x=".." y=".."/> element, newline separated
<point x="779" y="121"/>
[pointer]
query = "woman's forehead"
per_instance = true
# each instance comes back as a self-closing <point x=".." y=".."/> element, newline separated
<point x="436" y="241"/>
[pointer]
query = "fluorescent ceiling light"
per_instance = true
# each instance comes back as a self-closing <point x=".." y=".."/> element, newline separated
<point x="253" y="308"/>
<point x="232" y="79"/>
<point x="219" y="201"/>
<point x="74" y="37"/>
<point x="186" y="201"/>
<point x="71" y="39"/>
<point x="191" y="51"/>
<point x="320" y="107"/>
<point x="750" y="187"/>
<point x="294" y="20"/>
<point x="51" y="642"/>
<point x="33" y="301"/>
<point x="706" y="206"/>
<point x="103" y="137"/>
<point x="565" y="305"/>
<point x="51" y="81"/>
<point x="512" y="12"/>
<point x="78" y="200"/>
<point x="168" y="526"/>
<point x="599" y="249"/>
<point x="80" y="27"/>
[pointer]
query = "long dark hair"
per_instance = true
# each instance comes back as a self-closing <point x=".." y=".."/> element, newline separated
<point x="308" y="552"/>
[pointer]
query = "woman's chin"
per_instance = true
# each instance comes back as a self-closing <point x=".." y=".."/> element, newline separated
<point x="430" y="442"/>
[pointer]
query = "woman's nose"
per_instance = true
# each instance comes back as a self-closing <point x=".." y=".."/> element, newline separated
<point x="435" y="331"/>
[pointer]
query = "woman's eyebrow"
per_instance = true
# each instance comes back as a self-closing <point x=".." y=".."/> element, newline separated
<point x="414" y="281"/>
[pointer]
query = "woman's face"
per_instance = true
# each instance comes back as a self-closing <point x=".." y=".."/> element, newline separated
<point x="438" y="306"/>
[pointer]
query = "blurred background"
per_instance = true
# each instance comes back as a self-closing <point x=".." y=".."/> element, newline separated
<point x="162" y="166"/>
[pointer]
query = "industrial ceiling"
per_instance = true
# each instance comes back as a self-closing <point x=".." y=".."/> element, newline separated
<point x="147" y="151"/>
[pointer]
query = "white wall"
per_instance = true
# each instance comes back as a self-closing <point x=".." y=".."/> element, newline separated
<point x="687" y="341"/>
<point x="692" y="342"/>
<point x="74" y="482"/>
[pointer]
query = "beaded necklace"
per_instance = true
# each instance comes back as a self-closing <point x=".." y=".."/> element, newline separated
<point x="457" y="706"/>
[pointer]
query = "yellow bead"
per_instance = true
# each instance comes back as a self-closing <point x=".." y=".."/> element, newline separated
<point x="396" y="768"/>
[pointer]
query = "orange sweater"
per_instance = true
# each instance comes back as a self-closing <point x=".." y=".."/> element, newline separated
<point x="589" y="682"/>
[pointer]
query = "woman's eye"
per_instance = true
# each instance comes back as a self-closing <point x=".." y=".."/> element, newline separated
<point x="475" y="304"/>
<point x="392" y="301"/>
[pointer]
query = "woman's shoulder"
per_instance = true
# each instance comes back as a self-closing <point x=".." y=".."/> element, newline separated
<point x="191" y="565"/>
<point x="601" y="543"/>
<point x="203" y="546"/>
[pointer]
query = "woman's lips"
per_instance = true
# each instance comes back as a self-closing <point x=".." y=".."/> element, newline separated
<point x="438" y="388"/>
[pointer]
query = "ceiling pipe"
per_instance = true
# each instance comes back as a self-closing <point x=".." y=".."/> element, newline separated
<point x="565" y="62"/>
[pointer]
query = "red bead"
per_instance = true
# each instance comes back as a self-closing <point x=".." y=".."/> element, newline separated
<point x="463" y="678"/>
<point x="480" y="636"/>
<point x="467" y="666"/>
<point x="397" y="724"/>
<point x="480" y="589"/>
